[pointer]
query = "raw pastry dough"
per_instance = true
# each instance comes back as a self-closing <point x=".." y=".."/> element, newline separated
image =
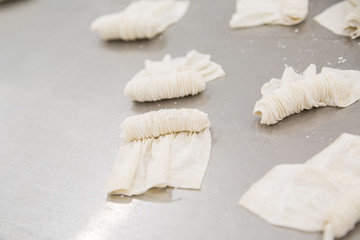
<point x="306" y="198"/>
<point x="295" y="92"/>
<point x="140" y="20"/>
<point x="343" y="156"/>
<point x="250" y="13"/>
<point x="321" y="195"/>
<point x="169" y="147"/>
<point x="342" y="18"/>
<point x="173" y="78"/>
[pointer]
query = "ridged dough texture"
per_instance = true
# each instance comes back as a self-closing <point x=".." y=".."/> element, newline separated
<point x="173" y="78"/>
<point x="169" y="147"/>
<point x="166" y="121"/>
<point x="342" y="18"/>
<point x="250" y="13"/>
<point x="140" y="20"/>
<point x="295" y="92"/>
<point x="321" y="195"/>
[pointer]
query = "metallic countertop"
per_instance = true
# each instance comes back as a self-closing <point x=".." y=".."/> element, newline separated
<point x="62" y="102"/>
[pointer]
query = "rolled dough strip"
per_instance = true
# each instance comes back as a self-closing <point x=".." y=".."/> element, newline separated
<point x="140" y="20"/>
<point x="173" y="78"/>
<point x="250" y="13"/>
<point x="295" y="92"/>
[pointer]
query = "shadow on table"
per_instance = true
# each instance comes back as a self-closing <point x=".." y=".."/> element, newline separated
<point x="158" y="195"/>
<point x="155" y="44"/>
<point x="307" y="119"/>
<point x="9" y="3"/>
<point x="353" y="234"/>
<point x="184" y="102"/>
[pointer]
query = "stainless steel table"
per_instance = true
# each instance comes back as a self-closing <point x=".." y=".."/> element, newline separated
<point x="62" y="102"/>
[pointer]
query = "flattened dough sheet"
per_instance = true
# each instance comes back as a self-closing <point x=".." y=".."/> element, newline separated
<point x="321" y="195"/>
<point x="342" y="18"/>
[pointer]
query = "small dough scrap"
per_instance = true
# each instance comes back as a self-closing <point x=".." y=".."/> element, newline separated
<point x="173" y="78"/>
<point x="295" y="92"/>
<point x="342" y="18"/>
<point x="169" y="147"/>
<point x="250" y="13"/>
<point x="142" y="19"/>
<point x="306" y="198"/>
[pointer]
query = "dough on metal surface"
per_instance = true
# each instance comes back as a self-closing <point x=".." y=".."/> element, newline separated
<point x="173" y="78"/>
<point x="169" y="147"/>
<point x="142" y="19"/>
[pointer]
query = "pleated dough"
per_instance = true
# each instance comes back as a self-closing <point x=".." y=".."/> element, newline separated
<point x="173" y="78"/>
<point x="250" y="13"/>
<point x="321" y="195"/>
<point x="295" y="92"/>
<point x="169" y="147"/>
<point x="140" y="20"/>
<point x="342" y="18"/>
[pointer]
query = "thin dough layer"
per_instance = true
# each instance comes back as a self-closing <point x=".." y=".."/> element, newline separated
<point x="173" y="78"/>
<point x="295" y="92"/>
<point x="140" y="20"/>
<point x="343" y="156"/>
<point x="342" y="18"/>
<point x="306" y="198"/>
<point x="250" y="13"/>
<point x="170" y="147"/>
<point x="321" y="195"/>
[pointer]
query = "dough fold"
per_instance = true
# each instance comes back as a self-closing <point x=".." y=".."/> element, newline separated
<point x="306" y="198"/>
<point x="250" y="13"/>
<point x="173" y="78"/>
<point x="295" y="92"/>
<point x="169" y="147"/>
<point x="142" y="19"/>
<point x="342" y="18"/>
<point x="343" y="156"/>
<point x="321" y="195"/>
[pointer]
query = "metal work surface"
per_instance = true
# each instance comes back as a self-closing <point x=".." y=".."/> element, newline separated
<point x="62" y="102"/>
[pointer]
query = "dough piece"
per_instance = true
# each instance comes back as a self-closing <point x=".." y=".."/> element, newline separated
<point x="306" y="198"/>
<point x="343" y="156"/>
<point x="173" y="78"/>
<point x="342" y="18"/>
<point x="250" y="13"/>
<point x="169" y="147"/>
<point x="140" y="20"/>
<point x="295" y="92"/>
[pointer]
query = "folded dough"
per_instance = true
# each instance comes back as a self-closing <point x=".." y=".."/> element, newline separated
<point x="140" y="20"/>
<point x="321" y="195"/>
<point x="295" y="92"/>
<point x="306" y="198"/>
<point x="342" y="18"/>
<point x="169" y="147"/>
<point x="173" y="78"/>
<point x="250" y="13"/>
<point x="343" y="156"/>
